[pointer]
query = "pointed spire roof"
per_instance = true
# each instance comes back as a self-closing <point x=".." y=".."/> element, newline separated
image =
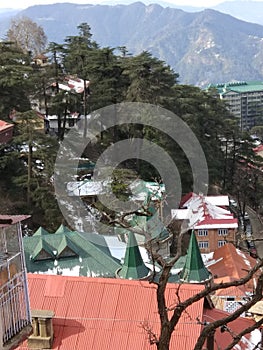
<point x="63" y="229"/>
<point x="42" y="251"/>
<point x="133" y="266"/>
<point x="41" y="231"/>
<point x="194" y="270"/>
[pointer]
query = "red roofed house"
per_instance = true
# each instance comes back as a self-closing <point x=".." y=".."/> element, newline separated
<point x="6" y="132"/>
<point x="209" y="217"/>
<point x="229" y="264"/>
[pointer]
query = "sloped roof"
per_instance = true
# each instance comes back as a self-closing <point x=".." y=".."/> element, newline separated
<point x="210" y="223"/>
<point x="63" y="229"/>
<point x="87" y="255"/>
<point x="42" y="246"/>
<point x="7" y="220"/>
<point x="4" y="125"/>
<point x="230" y="262"/>
<point x="41" y="231"/>
<point x="194" y="270"/>
<point x="102" y="313"/>
<point x="133" y="266"/>
<point x="145" y="190"/>
<point x="146" y="228"/>
<point x="201" y="213"/>
<point x="218" y="200"/>
<point x="222" y="340"/>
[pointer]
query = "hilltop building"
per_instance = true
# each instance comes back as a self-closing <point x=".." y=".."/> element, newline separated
<point x="244" y="99"/>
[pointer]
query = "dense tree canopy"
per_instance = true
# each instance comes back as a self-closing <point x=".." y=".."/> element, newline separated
<point x="27" y="163"/>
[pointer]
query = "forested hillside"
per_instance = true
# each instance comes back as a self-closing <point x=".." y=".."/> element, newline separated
<point x="203" y="47"/>
<point x="27" y="163"/>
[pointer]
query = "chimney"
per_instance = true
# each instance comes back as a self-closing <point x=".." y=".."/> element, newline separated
<point x="42" y="337"/>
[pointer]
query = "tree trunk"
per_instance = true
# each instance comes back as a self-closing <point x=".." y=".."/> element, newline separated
<point x="166" y="332"/>
<point x="165" y="337"/>
<point x="85" y="109"/>
<point x="29" y="172"/>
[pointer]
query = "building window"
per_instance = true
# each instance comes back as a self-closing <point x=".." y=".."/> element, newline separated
<point x="222" y="231"/>
<point x="203" y="232"/>
<point x="221" y="243"/>
<point x="204" y="244"/>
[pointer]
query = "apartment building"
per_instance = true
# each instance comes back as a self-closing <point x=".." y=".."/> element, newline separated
<point x="210" y="219"/>
<point x="244" y="99"/>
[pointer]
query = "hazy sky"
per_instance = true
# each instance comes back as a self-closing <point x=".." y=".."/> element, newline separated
<point x="27" y="3"/>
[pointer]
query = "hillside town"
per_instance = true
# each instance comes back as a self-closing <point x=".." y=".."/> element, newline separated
<point x="107" y="242"/>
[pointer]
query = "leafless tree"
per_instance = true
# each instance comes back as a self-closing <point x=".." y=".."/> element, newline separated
<point x="169" y="321"/>
<point x="27" y="35"/>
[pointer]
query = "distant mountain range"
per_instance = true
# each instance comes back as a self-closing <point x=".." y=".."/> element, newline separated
<point x="204" y="47"/>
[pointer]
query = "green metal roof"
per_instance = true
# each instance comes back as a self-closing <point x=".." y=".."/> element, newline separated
<point x="194" y="270"/>
<point x="133" y="266"/>
<point x="238" y="87"/>
<point x="146" y="228"/>
<point x="67" y="243"/>
<point x="174" y="276"/>
<point x="42" y="248"/>
<point x="41" y="231"/>
<point x="63" y="229"/>
<point x="74" y="251"/>
<point x="147" y="190"/>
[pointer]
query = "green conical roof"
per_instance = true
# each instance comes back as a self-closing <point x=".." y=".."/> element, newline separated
<point x="133" y="266"/>
<point x="194" y="270"/>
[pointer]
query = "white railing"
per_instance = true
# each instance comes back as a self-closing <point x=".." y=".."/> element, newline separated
<point x="14" y="313"/>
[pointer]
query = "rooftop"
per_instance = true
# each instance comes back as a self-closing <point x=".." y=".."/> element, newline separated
<point x="4" y="125"/>
<point x="229" y="263"/>
<point x="238" y="86"/>
<point x="69" y="252"/>
<point x="85" y="319"/>
<point x="194" y="270"/>
<point x="201" y="212"/>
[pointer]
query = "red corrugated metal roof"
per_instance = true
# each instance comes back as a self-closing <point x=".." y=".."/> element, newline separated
<point x="101" y="313"/>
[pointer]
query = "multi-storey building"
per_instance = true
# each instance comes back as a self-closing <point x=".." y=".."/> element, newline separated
<point x="244" y="100"/>
<point x="210" y="219"/>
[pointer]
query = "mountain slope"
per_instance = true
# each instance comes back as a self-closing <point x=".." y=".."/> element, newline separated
<point x="250" y="11"/>
<point x="203" y="47"/>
